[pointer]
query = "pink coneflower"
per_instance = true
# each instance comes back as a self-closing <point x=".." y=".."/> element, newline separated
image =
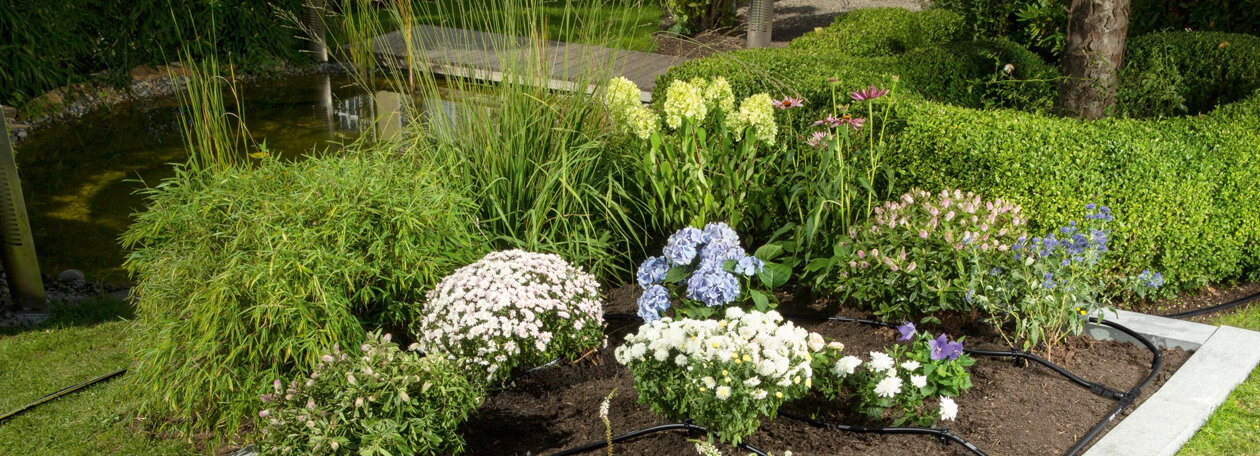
<point x="869" y="93"/>
<point x="836" y="122"/>
<point x="789" y="103"/>
<point x="818" y="139"/>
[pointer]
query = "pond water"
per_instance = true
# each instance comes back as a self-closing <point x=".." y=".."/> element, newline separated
<point x="80" y="177"/>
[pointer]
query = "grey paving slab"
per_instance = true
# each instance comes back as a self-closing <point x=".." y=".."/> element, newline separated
<point x="1164" y="332"/>
<point x="1162" y="424"/>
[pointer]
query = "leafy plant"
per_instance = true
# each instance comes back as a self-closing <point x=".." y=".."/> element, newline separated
<point x="1047" y="285"/>
<point x="508" y="310"/>
<point x="726" y="374"/>
<point x="896" y="385"/>
<point x="245" y="275"/>
<point x="715" y="270"/>
<point x="695" y="16"/>
<point x="372" y="400"/>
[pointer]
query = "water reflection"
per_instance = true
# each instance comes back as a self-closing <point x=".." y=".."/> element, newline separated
<point x="80" y="177"/>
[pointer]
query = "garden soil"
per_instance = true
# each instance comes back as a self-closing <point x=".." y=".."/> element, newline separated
<point x="1010" y="411"/>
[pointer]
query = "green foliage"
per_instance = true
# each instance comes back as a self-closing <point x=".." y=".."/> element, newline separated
<point x="45" y="44"/>
<point x="1173" y="73"/>
<point x="695" y="16"/>
<point x="1208" y="15"/>
<point x="981" y="74"/>
<point x="909" y="259"/>
<point x="369" y="400"/>
<point x="1040" y="25"/>
<point x="876" y="32"/>
<point x="247" y="275"/>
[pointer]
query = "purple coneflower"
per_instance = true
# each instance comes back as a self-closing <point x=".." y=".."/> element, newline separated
<point x="789" y="103"/>
<point x="818" y="139"/>
<point x="869" y="93"/>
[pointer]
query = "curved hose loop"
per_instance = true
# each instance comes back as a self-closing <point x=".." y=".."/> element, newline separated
<point x="942" y="434"/>
<point x="688" y="426"/>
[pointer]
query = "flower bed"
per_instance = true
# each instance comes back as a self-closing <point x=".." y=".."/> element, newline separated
<point x="1009" y="410"/>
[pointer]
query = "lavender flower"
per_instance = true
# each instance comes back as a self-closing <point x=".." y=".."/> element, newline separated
<point x="1151" y="279"/>
<point x="652" y="271"/>
<point x="682" y="246"/>
<point x="1103" y="214"/>
<point x="712" y="286"/>
<point x="1047" y="281"/>
<point x="653" y="301"/>
<point x="907" y="331"/>
<point x="869" y="93"/>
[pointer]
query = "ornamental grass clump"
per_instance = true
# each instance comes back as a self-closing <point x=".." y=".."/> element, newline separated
<point x="902" y="384"/>
<point x="371" y="400"/>
<point x="511" y="309"/>
<point x="908" y="260"/>
<point x="705" y="270"/>
<point x="725" y="374"/>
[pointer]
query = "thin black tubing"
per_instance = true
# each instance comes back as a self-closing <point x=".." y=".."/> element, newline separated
<point x="689" y="427"/>
<point x="61" y="392"/>
<point x="942" y="434"/>
<point x="1126" y="400"/>
<point x="1216" y="308"/>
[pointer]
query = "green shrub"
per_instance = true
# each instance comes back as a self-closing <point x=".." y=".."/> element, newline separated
<point x="1040" y="25"/>
<point x="884" y="31"/>
<point x="1198" y="70"/>
<point x="1211" y="15"/>
<point x="981" y="74"/>
<point x="249" y="274"/>
<point x="372" y="399"/>
<point x="694" y="16"/>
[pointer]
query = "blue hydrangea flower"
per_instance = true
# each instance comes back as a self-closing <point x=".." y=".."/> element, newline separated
<point x="654" y="301"/>
<point x="749" y="266"/>
<point x="652" y="271"/>
<point x="682" y="246"/>
<point x="720" y="230"/>
<point x="712" y="286"/>
<point x="718" y="250"/>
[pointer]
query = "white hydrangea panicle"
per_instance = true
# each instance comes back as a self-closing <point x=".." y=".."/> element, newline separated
<point x="719" y="96"/>
<point x="755" y="112"/>
<point x="621" y="95"/>
<point x="683" y="100"/>
<point x="512" y="309"/>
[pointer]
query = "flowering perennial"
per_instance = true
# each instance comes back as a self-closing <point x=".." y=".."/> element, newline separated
<point x="684" y="100"/>
<point x="512" y="309"/>
<point x="726" y="374"/>
<point x="755" y="112"/>
<point x="704" y="254"/>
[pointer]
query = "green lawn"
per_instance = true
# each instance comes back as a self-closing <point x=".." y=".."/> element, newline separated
<point x="73" y="347"/>
<point x="1233" y="428"/>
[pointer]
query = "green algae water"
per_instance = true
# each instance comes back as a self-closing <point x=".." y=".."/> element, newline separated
<point x="80" y="177"/>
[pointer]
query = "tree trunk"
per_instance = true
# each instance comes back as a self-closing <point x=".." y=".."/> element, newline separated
<point x="1095" y="48"/>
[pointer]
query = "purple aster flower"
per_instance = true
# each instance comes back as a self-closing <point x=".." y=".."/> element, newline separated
<point x="907" y="331"/>
<point x="653" y="301"/>
<point x="652" y="271"/>
<point x="682" y="246"/>
<point x="869" y="93"/>
<point x="712" y="286"/>
<point x="749" y="265"/>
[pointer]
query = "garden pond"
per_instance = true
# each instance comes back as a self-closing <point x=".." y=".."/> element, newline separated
<point x="80" y="177"/>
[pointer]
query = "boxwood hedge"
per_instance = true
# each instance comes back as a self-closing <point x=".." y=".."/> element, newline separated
<point x="1186" y="191"/>
<point x="884" y="31"/>
<point x="1200" y="70"/>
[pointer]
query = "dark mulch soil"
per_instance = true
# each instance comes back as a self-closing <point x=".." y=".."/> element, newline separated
<point x="1010" y="411"/>
<point x="1208" y="296"/>
<point x="702" y="45"/>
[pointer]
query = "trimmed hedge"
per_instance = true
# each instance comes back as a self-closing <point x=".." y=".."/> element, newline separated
<point x="1201" y="70"/>
<point x="1186" y="191"/>
<point x="884" y="31"/>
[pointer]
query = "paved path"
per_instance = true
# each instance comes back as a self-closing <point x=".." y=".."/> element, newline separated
<point x="491" y="56"/>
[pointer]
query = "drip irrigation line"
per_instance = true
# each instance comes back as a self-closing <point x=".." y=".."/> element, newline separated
<point x="941" y="434"/>
<point x="61" y="392"/>
<point x="687" y="426"/>
<point x="1216" y="308"/>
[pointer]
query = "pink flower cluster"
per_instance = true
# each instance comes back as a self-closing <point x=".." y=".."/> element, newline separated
<point x="961" y="220"/>
<point x="512" y="309"/>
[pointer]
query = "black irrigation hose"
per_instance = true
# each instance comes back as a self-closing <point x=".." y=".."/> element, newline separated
<point x="61" y="392"/>
<point x="688" y="426"/>
<point x="1216" y="308"/>
<point x="941" y="434"/>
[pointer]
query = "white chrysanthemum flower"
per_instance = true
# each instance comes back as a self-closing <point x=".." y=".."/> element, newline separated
<point x="816" y="341"/>
<point x="949" y="409"/>
<point x="719" y="95"/>
<point x="910" y="365"/>
<point x="759" y="394"/>
<point x="641" y="121"/>
<point x="707" y="449"/>
<point x="735" y="313"/>
<point x="684" y="101"/>
<point x="754" y="381"/>
<point x="723" y="392"/>
<point x="756" y="112"/>
<point x="846" y="365"/>
<point x="888" y="387"/>
<point x="918" y="381"/>
<point x="880" y="362"/>
<point x="708" y="382"/>
<point x="837" y="346"/>
<point x="680" y="360"/>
